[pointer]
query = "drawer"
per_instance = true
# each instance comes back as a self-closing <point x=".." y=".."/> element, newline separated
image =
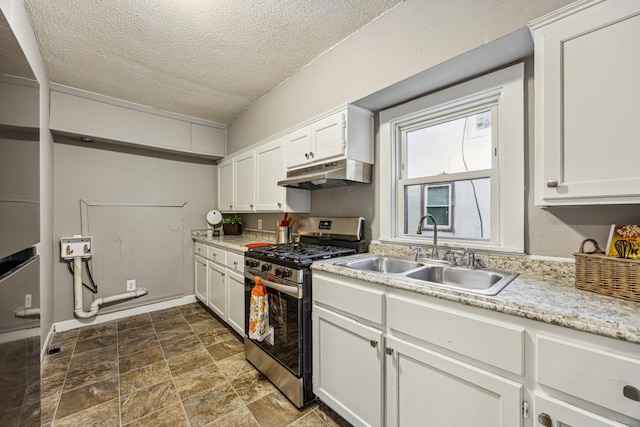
<point x="587" y="372"/>
<point x="497" y="344"/>
<point x="350" y="298"/>
<point x="235" y="262"/>
<point x="217" y="255"/>
<point x="201" y="249"/>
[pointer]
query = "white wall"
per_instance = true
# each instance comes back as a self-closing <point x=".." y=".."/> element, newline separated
<point x="417" y="36"/>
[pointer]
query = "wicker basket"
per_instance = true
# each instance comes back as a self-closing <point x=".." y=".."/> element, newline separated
<point x="616" y="277"/>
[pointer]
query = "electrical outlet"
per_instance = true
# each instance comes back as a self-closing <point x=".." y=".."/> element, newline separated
<point x="131" y="285"/>
<point x="259" y="224"/>
<point x="27" y="301"/>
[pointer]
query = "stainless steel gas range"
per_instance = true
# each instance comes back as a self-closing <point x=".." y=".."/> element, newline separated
<point x="284" y="356"/>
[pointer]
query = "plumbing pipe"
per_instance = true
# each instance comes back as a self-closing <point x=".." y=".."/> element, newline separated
<point x="95" y="305"/>
<point x="28" y="312"/>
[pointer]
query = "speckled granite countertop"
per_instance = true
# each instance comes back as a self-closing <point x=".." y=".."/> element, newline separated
<point x="234" y="243"/>
<point x="554" y="301"/>
<point x="544" y="291"/>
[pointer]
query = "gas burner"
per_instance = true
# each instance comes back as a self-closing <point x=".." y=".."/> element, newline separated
<point x="302" y="252"/>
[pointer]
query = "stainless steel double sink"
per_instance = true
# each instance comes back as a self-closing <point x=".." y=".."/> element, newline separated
<point x="477" y="281"/>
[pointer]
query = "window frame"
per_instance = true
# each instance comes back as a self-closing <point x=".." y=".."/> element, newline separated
<point x="506" y="87"/>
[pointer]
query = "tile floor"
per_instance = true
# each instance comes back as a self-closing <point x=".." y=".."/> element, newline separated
<point x="175" y="367"/>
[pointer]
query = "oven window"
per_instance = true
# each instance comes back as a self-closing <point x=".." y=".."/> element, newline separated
<point x="285" y="315"/>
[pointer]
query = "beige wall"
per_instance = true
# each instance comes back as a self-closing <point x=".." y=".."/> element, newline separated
<point x="100" y="172"/>
<point x="416" y="36"/>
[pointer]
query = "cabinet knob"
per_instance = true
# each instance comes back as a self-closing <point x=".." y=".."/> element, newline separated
<point x="230" y="206"/>
<point x="552" y="183"/>
<point x="389" y="351"/>
<point x="311" y="154"/>
<point x="251" y="206"/>
<point x="373" y="343"/>
<point x="306" y="156"/>
<point x="279" y="204"/>
<point x="631" y="392"/>
<point x="545" y="420"/>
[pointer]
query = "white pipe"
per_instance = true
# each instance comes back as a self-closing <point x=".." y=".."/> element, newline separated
<point x="95" y="305"/>
<point x="28" y="312"/>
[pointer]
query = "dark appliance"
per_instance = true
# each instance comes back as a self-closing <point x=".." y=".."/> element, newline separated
<point x="285" y="355"/>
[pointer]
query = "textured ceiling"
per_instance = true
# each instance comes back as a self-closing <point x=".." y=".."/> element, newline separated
<point x="12" y="61"/>
<point x="203" y="58"/>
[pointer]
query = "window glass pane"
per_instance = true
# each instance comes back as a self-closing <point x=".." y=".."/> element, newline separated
<point x="459" y="145"/>
<point x="467" y="217"/>
<point x="438" y="196"/>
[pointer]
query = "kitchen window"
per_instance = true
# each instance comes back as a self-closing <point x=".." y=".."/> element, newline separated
<point x="457" y="154"/>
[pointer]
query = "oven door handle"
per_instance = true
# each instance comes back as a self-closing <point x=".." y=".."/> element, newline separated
<point x="294" y="291"/>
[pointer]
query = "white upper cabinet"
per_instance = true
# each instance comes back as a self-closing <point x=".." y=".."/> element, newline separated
<point x="226" y="185"/>
<point x="270" y="169"/>
<point x="347" y="133"/>
<point x="587" y="95"/>
<point x="245" y="181"/>
<point x="21" y="102"/>
<point x="111" y="120"/>
<point x="208" y="140"/>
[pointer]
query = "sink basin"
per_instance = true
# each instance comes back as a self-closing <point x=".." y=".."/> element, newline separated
<point x="484" y="282"/>
<point x="383" y="265"/>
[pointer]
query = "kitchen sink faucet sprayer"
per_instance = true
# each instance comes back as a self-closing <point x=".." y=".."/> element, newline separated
<point x="434" y="254"/>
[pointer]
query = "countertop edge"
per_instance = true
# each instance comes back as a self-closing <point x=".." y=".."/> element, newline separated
<point x="548" y="301"/>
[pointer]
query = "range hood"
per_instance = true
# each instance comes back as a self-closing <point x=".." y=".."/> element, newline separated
<point x="328" y="175"/>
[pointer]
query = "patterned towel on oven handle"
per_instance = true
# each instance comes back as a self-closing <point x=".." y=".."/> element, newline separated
<point x="258" y="312"/>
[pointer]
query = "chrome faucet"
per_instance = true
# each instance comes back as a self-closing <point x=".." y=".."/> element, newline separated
<point x="434" y="254"/>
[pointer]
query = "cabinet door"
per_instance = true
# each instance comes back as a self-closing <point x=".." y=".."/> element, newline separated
<point x="348" y="367"/>
<point x="245" y="175"/>
<point x="328" y="137"/>
<point x="217" y="289"/>
<point x="208" y="140"/>
<point x="298" y="145"/>
<point x="235" y="301"/>
<point x="201" y="279"/>
<point x="587" y="100"/>
<point x="429" y="389"/>
<point x="226" y="185"/>
<point x="556" y="413"/>
<point x="269" y="170"/>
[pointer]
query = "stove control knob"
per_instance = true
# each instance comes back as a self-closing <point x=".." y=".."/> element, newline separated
<point x="266" y="267"/>
<point x="278" y="272"/>
<point x="286" y="272"/>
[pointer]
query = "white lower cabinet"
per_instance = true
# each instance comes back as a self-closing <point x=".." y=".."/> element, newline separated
<point x="201" y="278"/>
<point x="385" y="356"/>
<point x="426" y="388"/>
<point x="219" y="283"/>
<point x="217" y="300"/>
<point x="578" y="378"/>
<point x="348" y="367"/>
<point x="371" y="372"/>
<point x="554" y="412"/>
<point x="235" y="301"/>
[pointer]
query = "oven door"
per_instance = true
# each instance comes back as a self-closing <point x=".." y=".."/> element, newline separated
<point x="284" y="342"/>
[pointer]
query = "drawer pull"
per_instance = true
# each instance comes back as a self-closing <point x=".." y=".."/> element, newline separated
<point x="389" y="351"/>
<point x="545" y="420"/>
<point x="552" y="183"/>
<point x="631" y="392"/>
<point x="373" y="343"/>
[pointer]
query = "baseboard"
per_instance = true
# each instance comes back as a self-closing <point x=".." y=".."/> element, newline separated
<point x="102" y="318"/>
<point x="19" y="335"/>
